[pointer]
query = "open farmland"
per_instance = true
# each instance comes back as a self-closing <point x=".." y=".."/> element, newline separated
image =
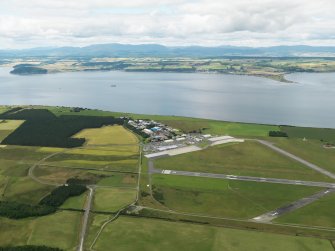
<point x="15" y="184"/>
<point x="148" y="234"/>
<point x="247" y="159"/>
<point x="324" y="134"/>
<point x="113" y="199"/>
<point x="4" y="109"/>
<point x="56" y="230"/>
<point x="223" y="198"/>
<point x="111" y="158"/>
<point x="25" y="190"/>
<point x="77" y="202"/>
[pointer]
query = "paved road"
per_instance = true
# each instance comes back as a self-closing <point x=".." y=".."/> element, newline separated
<point x="267" y="217"/>
<point x="243" y="178"/>
<point x="85" y="219"/>
<point x="290" y="155"/>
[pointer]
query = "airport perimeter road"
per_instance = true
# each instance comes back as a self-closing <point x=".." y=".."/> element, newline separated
<point x="290" y="155"/>
<point x="245" y="178"/>
<point x="85" y="219"/>
<point x="267" y="217"/>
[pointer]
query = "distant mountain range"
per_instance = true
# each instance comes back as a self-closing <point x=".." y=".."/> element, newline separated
<point x="155" y="50"/>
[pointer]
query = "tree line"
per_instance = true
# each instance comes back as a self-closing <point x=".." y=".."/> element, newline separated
<point x="43" y="128"/>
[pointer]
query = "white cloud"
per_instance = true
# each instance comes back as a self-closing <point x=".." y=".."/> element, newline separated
<point x="207" y="22"/>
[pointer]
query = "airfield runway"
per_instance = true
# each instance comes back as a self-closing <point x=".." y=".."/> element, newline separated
<point x="242" y="178"/>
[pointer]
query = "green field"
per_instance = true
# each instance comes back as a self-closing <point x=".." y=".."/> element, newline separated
<point x="219" y="127"/>
<point x="310" y="150"/>
<point x="249" y="159"/>
<point x="23" y="154"/>
<point x="24" y="190"/>
<point x="56" y="230"/>
<point x="77" y="202"/>
<point x="112" y="199"/>
<point x="319" y="213"/>
<point x="224" y="198"/>
<point x="4" y="109"/>
<point x="97" y="220"/>
<point x="310" y="133"/>
<point x="128" y="234"/>
<point x="119" y="158"/>
<point x="15" y="185"/>
<point x="107" y="135"/>
<point x="119" y="180"/>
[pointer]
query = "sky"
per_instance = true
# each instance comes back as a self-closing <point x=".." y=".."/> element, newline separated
<point x="41" y="23"/>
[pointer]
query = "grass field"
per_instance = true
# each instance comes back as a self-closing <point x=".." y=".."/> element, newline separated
<point x="119" y="180"/>
<point x="319" y="213"/>
<point x="224" y="198"/>
<point x="15" y="185"/>
<point x="22" y="154"/>
<point x="60" y="175"/>
<point x="24" y="190"/>
<point x="128" y="234"/>
<point x="4" y="109"/>
<point x="310" y="133"/>
<point x="77" y="202"/>
<point x="56" y="230"/>
<point x="108" y="135"/>
<point x="97" y="220"/>
<point x="219" y="127"/>
<point x="112" y="199"/>
<point x="111" y="158"/>
<point x="310" y="150"/>
<point x="249" y="158"/>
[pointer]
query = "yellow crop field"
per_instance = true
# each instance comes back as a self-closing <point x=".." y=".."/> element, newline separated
<point x="8" y="126"/>
<point x="108" y="135"/>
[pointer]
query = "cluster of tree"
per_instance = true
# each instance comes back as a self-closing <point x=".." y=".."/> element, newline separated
<point x="292" y="69"/>
<point x="107" y="65"/>
<point x="277" y="134"/>
<point x="27" y="70"/>
<point x="158" y="194"/>
<point x="162" y="69"/>
<point x="60" y="194"/>
<point x="75" y="181"/>
<point x="29" y="248"/>
<point x="15" y="210"/>
<point x="15" y="109"/>
<point x="135" y="130"/>
<point x="43" y="128"/>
